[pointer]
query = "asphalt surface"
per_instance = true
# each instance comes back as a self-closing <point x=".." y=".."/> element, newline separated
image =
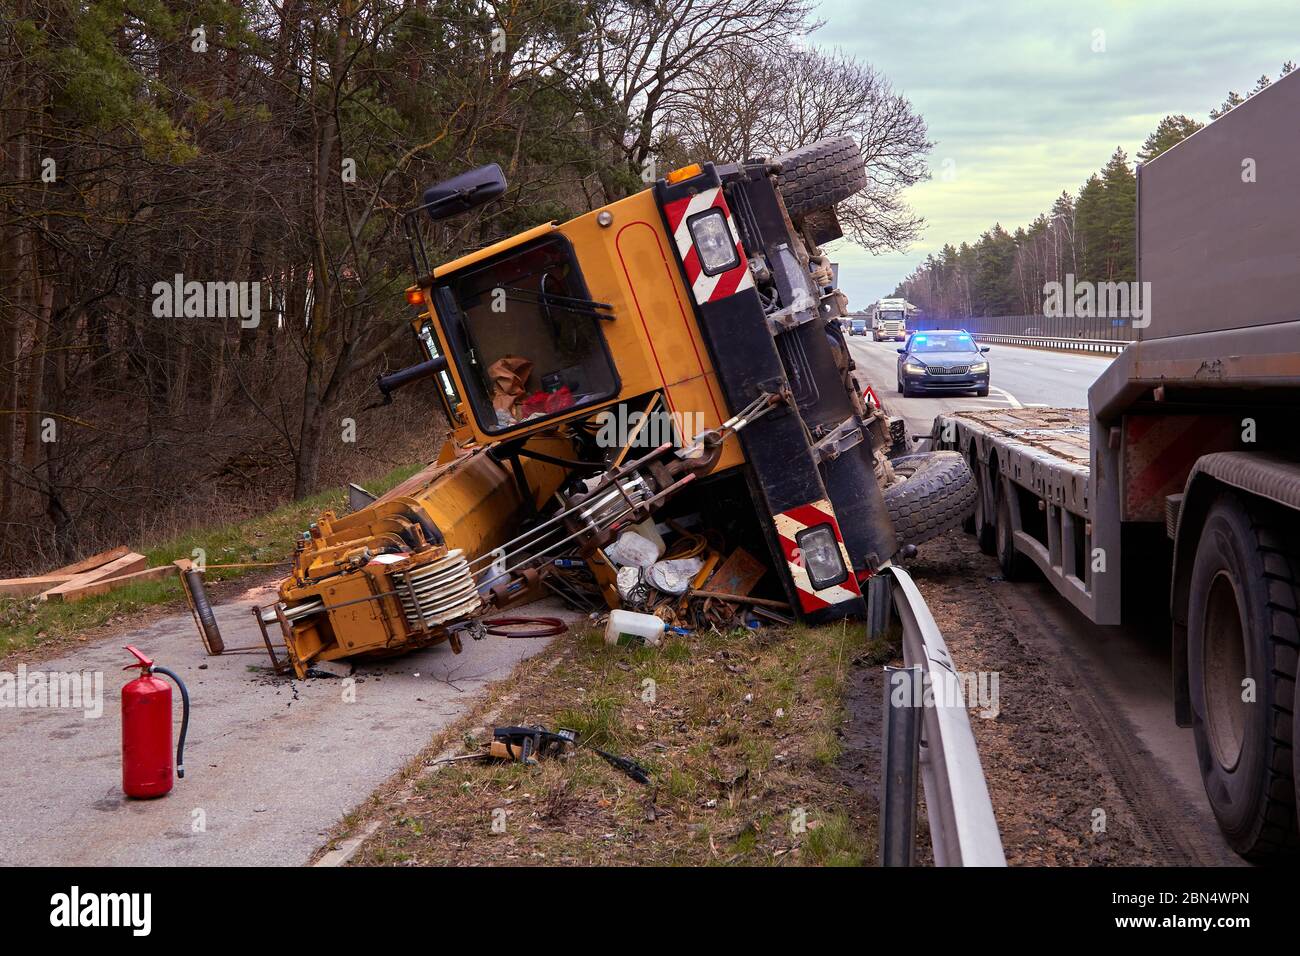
<point x="271" y="763"/>
<point x="1017" y="377"/>
<point x="1129" y="665"/>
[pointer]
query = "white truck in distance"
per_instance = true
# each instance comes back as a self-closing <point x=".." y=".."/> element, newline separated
<point x="1180" y="482"/>
<point x="889" y="320"/>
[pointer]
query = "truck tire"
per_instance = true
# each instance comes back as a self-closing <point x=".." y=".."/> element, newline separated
<point x="984" y="528"/>
<point x="1241" y="623"/>
<point x="820" y="175"/>
<point x="937" y="495"/>
<point x="1014" y="565"/>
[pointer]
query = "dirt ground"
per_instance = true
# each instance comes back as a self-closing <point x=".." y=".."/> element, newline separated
<point x="748" y="736"/>
<point x="1057" y="800"/>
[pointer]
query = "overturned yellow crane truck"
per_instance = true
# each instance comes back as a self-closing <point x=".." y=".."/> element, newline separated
<point x="703" y="303"/>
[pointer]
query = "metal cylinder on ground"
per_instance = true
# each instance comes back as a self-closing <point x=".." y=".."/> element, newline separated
<point x="192" y="579"/>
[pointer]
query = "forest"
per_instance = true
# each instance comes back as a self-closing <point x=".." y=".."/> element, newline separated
<point x="269" y="147"/>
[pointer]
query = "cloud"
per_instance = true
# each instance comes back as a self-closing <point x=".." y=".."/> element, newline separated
<point x="1024" y="98"/>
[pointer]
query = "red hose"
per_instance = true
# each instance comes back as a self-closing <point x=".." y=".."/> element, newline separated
<point x="546" y="626"/>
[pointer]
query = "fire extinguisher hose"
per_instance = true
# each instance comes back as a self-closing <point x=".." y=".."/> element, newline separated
<point x="185" y="717"/>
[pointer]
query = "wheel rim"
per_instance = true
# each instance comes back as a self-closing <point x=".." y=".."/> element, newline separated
<point x="1003" y="530"/>
<point x="1224" y="663"/>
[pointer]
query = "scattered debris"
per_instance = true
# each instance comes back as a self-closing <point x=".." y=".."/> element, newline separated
<point x="98" y="574"/>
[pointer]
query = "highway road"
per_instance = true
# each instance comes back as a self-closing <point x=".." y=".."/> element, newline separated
<point x="1119" y="672"/>
<point x="1018" y="376"/>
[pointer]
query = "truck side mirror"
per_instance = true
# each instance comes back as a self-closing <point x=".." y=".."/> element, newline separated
<point x="462" y="193"/>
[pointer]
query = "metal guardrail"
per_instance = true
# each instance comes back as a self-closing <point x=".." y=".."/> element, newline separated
<point x="963" y="829"/>
<point x="1105" y="346"/>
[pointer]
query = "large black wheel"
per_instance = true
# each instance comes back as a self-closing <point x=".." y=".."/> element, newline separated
<point x="936" y="495"/>
<point x="1242" y="640"/>
<point x="985" y="529"/>
<point x="1014" y="565"/>
<point x="820" y="175"/>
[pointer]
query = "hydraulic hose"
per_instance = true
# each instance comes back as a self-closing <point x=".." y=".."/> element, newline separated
<point x="544" y="626"/>
<point x="185" y="716"/>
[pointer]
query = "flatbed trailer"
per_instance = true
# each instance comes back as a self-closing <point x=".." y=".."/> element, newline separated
<point x="1177" y="490"/>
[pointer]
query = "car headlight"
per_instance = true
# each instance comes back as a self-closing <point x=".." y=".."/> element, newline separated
<point x="980" y="367"/>
<point x="821" y="556"/>
<point x="714" y="243"/>
<point x="911" y="368"/>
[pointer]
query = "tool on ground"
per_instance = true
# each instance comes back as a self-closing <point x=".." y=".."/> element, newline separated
<point x="147" y="730"/>
<point x="526" y="744"/>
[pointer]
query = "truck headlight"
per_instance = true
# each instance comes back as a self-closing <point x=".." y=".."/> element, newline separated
<point x="821" y="556"/>
<point x="713" y="242"/>
<point x="911" y="368"/>
<point x="980" y="367"/>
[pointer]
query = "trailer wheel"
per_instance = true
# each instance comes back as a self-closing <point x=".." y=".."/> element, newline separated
<point x="1242" y="640"/>
<point x="936" y="496"/>
<point x="984" y="528"/>
<point x="820" y="175"/>
<point x="1015" y="566"/>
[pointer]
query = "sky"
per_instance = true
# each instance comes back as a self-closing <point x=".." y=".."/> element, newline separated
<point x="1020" y="106"/>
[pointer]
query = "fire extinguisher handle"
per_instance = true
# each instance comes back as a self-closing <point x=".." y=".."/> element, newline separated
<point x="185" y="717"/>
<point x="142" y="661"/>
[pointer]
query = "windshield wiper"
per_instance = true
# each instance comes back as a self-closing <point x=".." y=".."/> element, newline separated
<point x="569" y="302"/>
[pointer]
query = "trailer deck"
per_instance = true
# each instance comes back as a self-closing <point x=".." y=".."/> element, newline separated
<point x="1039" y="459"/>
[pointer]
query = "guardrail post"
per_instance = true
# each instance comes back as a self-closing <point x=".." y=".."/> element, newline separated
<point x="899" y="762"/>
<point x="880" y="604"/>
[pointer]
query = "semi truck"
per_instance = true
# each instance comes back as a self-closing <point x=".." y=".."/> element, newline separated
<point x="889" y="320"/>
<point x="1179" y="485"/>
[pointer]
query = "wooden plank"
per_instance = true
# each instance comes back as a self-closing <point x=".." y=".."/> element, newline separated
<point x="27" y="587"/>
<point x="112" y="584"/>
<point x="126" y="564"/>
<point x="92" y="562"/>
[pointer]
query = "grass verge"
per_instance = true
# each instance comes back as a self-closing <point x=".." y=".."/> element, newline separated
<point x="28" y="623"/>
<point x="741" y="731"/>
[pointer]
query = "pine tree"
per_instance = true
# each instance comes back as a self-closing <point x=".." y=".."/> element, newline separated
<point x="1120" y="209"/>
<point x="1234" y="100"/>
<point x="1090" y="230"/>
<point x="1170" y="131"/>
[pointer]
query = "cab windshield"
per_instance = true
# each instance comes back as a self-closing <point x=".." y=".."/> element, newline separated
<point x="526" y="335"/>
<point x="942" y="342"/>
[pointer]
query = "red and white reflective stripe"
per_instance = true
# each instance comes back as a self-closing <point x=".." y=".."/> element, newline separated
<point x="706" y="288"/>
<point x="1159" y="452"/>
<point x="788" y="525"/>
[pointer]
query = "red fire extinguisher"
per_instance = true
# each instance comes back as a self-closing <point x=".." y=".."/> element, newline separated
<point x="147" y="730"/>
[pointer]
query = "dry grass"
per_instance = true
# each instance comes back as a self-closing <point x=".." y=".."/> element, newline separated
<point x="741" y="732"/>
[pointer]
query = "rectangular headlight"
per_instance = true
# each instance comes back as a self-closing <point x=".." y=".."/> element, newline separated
<point x="979" y="367"/>
<point x="713" y="242"/>
<point x="821" y="556"/>
<point x="911" y="368"/>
